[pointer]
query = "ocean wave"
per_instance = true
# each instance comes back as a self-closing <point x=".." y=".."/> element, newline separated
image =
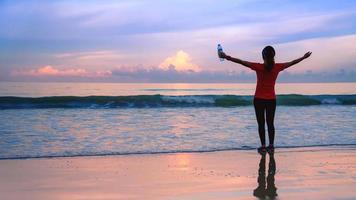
<point x="154" y="101"/>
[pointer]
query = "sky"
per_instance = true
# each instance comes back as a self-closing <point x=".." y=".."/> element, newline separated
<point x="174" y="40"/>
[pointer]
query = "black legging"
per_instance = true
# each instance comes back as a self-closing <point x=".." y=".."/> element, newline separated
<point x="262" y="105"/>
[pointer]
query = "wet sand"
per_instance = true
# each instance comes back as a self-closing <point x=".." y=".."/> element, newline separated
<point x="298" y="173"/>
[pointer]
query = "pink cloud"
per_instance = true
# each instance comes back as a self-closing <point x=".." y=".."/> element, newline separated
<point x="93" y="55"/>
<point x="182" y="61"/>
<point x="52" y="71"/>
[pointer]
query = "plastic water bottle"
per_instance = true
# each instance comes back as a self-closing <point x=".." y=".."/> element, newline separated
<point x="220" y="50"/>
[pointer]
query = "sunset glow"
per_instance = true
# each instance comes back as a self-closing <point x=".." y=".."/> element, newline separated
<point x="173" y="41"/>
<point x="177" y="99"/>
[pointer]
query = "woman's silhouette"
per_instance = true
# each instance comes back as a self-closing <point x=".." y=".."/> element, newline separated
<point x="265" y="97"/>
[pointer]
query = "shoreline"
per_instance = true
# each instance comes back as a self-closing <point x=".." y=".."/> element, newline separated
<point x="280" y="148"/>
<point x="307" y="173"/>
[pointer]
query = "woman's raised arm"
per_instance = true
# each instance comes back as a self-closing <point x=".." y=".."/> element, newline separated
<point x="291" y="63"/>
<point x="235" y="60"/>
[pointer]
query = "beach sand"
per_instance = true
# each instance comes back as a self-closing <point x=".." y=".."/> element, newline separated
<point x="300" y="173"/>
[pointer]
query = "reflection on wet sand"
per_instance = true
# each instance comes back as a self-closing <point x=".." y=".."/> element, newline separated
<point x="263" y="192"/>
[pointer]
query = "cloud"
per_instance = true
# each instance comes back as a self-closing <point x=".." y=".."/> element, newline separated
<point x="95" y="35"/>
<point x="92" y="19"/>
<point x="181" y="62"/>
<point x="91" y="60"/>
<point x="171" y="75"/>
<point x="93" y="55"/>
<point x="329" y="53"/>
<point x="52" y="71"/>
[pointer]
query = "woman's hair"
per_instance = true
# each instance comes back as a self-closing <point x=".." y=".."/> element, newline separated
<point x="268" y="54"/>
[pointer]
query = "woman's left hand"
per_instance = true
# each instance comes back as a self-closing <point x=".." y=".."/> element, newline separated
<point x="306" y="55"/>
<point x="222" y="55"/>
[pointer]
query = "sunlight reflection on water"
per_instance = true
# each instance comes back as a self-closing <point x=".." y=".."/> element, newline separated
<point x="66" y="132"/>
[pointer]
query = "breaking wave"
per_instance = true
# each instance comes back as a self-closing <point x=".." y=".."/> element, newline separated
<point x="154" y="101"/>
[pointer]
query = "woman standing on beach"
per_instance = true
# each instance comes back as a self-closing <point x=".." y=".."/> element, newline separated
<point x="265" y="98"/>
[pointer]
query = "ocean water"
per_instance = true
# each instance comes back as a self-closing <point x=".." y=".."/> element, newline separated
<point x="75" y="119"/>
